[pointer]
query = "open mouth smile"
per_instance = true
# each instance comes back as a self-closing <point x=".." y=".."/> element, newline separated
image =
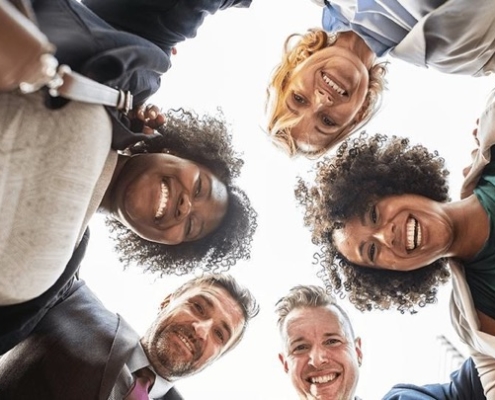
<point x="334" y="86"/>
<point x="186" y="342"/>
<point x="318" y="380"/>
<point x="162" y="204"/>
<point x="413" y="234"/>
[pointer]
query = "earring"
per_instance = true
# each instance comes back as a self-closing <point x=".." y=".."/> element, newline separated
<point x="332" y="38"/>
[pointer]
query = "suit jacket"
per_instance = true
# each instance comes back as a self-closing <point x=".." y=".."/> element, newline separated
<point x="464" y="385"/>
<point x="75" y="352"/>
<point x="116" y="56"/>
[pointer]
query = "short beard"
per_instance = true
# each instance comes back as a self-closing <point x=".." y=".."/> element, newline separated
<point x="166" y="356"/>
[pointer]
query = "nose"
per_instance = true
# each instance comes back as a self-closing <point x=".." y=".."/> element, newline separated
<point x="183" y="207"/>
<point x="386" y="234"/>
<point x="322" y="98"/>
<point x="318" y="357"/>
<point x="202" y="328"/>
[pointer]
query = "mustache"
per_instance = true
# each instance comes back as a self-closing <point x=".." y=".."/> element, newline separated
<point x="190" y="334"/>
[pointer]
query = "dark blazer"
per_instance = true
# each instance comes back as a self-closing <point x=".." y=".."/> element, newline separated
<point x="75" y="352"/>
<point x="465" y="384"/>
<point x="116" y="56"/>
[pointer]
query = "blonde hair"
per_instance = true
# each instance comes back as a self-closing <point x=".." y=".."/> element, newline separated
<point x="298" y="48"/>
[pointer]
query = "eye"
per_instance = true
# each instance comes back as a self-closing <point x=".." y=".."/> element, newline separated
<point x="298" y="98"/>
<point x="332" y="342"/>
<point x="300" y="348"/>
<point x="327" y="121"/>
<point x="199" y="308"/>
<point x="373" y="214"/>
<point x="199" y="186"/>
<point x="188" y="227"/>
<point x="372" y="252"/>
<point x="219" y="335"/>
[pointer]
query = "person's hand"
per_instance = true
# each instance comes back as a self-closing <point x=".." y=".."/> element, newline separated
<point x="151" y="116"/>
<point x="475" y="133"/>
<point x="466" y="170"/>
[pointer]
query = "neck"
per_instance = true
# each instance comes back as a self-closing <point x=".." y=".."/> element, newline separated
<point x="106" y="205"/>
<point x="353" y="42"/>
<point x="471" y="227"/>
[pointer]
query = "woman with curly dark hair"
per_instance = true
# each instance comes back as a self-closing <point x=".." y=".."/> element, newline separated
<point x="349" y="189"/>
<point x="206" y="142"/>
<point x="389" y="236"/>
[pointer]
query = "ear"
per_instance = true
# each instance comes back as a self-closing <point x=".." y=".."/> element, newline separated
<point x="359" y="353"/>
<point x="165" y="302"/>
<point x="284" y="363"/>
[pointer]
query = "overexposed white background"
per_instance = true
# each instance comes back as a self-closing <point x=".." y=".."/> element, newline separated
<point x="228" y="65"/>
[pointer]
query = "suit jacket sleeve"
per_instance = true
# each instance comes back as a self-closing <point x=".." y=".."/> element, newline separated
<point x="163" y="22"/>
<point x="465" y="384"/>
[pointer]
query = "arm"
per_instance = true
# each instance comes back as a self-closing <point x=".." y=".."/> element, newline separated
<point x="165" y="22"/>
<point x="465" y="384"/>
<point x="486" y="371"/>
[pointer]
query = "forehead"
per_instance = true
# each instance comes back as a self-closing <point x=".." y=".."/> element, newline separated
<point x="224" y="306"/>
<point x="308" y="321"/>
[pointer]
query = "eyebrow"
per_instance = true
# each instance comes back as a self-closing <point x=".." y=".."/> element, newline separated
<point x="224" y="324"/>
<point x="208" y="195"/>
<point x="299" y="339"/>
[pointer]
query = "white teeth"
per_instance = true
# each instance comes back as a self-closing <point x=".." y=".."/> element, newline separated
<point x="186" y="342"/>
<point x="323" y="379"/>
<point x="333" y="85"/>
<point x="163" y="201"/>
<point x="413" y="229"/>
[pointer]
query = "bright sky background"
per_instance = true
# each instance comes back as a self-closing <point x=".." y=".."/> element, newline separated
<point x="228" y="66"/>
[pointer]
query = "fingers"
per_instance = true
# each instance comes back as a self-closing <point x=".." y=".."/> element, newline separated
<point x="152" y="116"/>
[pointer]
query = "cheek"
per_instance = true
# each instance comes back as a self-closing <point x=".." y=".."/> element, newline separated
<point x="171" y="236"/>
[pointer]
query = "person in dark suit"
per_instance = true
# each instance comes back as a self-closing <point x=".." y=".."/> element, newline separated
<point x="81" y="350"/>
<point x="322" y="355"/>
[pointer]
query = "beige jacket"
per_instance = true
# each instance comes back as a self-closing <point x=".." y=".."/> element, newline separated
<point x="462" y="311"/>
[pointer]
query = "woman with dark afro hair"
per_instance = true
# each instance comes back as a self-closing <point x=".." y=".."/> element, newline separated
<point x="389" y="236"/>
<point x="349" y="187"/>
<point x="206" y="142"/>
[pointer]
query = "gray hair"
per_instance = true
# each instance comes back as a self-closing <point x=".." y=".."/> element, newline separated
<point x="242" y="295"/>
<point x="309" y="296"/>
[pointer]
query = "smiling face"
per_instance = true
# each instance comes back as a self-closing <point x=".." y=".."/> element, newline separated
<point x="192" y="330"/>
<point x="168" y="199"/>
<point x="404" y="232"/>
<point x="321" y="357"/>
<point x="326" y="92"/>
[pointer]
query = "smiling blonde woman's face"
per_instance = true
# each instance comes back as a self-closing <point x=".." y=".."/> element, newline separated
<point x="325" y="93"/>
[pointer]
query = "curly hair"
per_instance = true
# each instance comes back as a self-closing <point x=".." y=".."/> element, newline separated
<point x="297" y="48"/>
<point x="206" y="141"/>
<point x="365" y="170"/>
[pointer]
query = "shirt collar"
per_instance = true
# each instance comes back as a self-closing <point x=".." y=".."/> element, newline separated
<point x="139" y="360"/>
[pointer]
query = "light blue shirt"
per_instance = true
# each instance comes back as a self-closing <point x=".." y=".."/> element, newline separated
<point x="381" y="23"/>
